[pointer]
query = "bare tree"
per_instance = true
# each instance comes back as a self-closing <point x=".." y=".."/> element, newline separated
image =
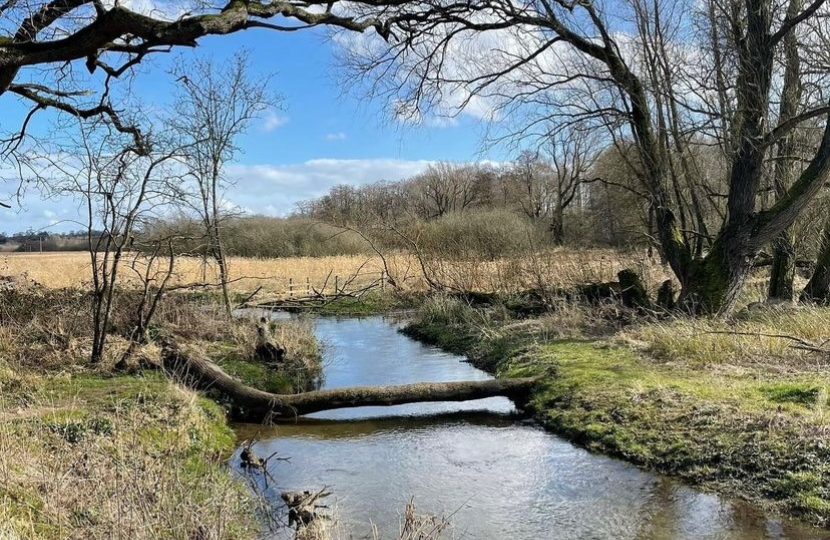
<point x="215" y="106"/>
<point x="572" y="153"/>
<point x="86" y="46"/>
<point x="531" y="179"/>
<point x="118" y="186"/>
<point x="574" y="62"/>
<point x="445" y="188"/>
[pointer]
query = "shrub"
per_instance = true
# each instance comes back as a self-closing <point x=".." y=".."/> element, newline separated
<point x="262" y="236"/>
<point x="484" y="234"/>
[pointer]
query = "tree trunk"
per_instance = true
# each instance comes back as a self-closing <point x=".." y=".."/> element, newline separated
<point x="783" y="268"/>
<point x="222" y="263"/>
<point x="783" y="264"/>
<point x="665" y="295"/>
<point x="260" y="406"/>
<point x="633" y="292"/>
<point x="818" y="288"/>
<point x="713" y="283"/>
<point x="557" y="227"/>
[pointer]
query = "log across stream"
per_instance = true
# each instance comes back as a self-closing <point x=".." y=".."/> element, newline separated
<point x="500" y="476"/>
<point x="198" y="372"/>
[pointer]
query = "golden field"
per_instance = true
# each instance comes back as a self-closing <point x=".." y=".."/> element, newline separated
<point x="72" y="269"/>
<point x="555" y="268"/>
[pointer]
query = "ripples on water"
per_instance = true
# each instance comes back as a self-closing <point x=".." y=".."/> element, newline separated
<point x="500" y="477"/>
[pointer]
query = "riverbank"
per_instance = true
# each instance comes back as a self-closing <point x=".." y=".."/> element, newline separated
<point x="94" y="455"/>
<point x="95" y="451"/>
<point x="719" y="404"/>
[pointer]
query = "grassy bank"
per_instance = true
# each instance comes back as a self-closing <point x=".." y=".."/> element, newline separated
<point x="720" y="404"/>
<point x="88" y="455"/>
<point x="87" y="451"/>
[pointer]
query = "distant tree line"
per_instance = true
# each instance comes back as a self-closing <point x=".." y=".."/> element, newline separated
<point x="571" y="194"/>
<point x="35" y="241"/>
<point x="256" y="236"/>
<point x="576" y="195"/>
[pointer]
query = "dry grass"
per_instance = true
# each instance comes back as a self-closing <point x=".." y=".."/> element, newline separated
<point x="88" y="454"/>
<point x="551" y="269"/>
<point x="71" y="269"/>
<point x="756" y="337"/>
<point x="118" y="459"/>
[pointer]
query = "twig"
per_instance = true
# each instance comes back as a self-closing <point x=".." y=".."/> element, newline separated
<point x="803" y="344"/>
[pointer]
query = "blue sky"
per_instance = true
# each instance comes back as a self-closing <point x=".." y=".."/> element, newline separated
<point x="322" y="136"/>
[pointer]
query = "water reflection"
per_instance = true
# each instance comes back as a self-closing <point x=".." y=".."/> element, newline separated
<point x="500" y="477"/>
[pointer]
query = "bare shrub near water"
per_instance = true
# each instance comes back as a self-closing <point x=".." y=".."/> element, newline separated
<point x="412" y="526"/>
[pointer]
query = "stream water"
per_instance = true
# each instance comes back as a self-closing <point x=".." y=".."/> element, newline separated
<point x="500" y="477"/>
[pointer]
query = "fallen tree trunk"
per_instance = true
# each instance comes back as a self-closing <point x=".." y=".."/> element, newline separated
<point x="256" y="405"/>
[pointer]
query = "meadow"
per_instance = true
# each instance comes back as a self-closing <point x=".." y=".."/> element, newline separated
<point x="278" y="277"/>
<point x="736" y="404"/>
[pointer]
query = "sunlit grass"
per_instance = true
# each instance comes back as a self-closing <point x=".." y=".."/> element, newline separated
<point x="120" y="457"/>
<point x="774" y="336"/>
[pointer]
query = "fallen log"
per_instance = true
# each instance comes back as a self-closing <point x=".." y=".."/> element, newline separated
<point x="198" y="372"/>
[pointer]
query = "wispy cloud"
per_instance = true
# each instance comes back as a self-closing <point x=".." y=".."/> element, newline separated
<point x="339" y="136"/>
<point x="259" y="189"/>
<point x="273" y="120"/>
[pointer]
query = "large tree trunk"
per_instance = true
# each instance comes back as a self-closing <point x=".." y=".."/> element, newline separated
<point x="257" y="405"/>
<point x="557" y="226"/>
<point x="818" y="288"/>
<point x="783" y="264"/>
<point x="783" y="267"/>
<point x="712" y="284"/>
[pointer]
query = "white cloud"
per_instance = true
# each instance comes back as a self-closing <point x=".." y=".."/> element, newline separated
<point x="275" y="189"/>
<point x="272" y="190"/>
<point x="504" y="76"/>
<point x="339" y="136"/>
<point x="272" y="120"/>
<point x="55" y="215"/>
<point x="259" y="189"/>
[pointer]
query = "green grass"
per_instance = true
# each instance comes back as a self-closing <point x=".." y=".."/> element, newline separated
<point x="112" y="441"/>
<point x="805" y="394"/>
<point x="256" y="374"/>
<point x="98" y="388"/>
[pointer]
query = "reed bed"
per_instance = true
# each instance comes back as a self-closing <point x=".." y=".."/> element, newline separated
<point x="299" y="276"/>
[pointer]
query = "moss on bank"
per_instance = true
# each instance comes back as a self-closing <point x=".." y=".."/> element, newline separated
<point x="755" y="431"/>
